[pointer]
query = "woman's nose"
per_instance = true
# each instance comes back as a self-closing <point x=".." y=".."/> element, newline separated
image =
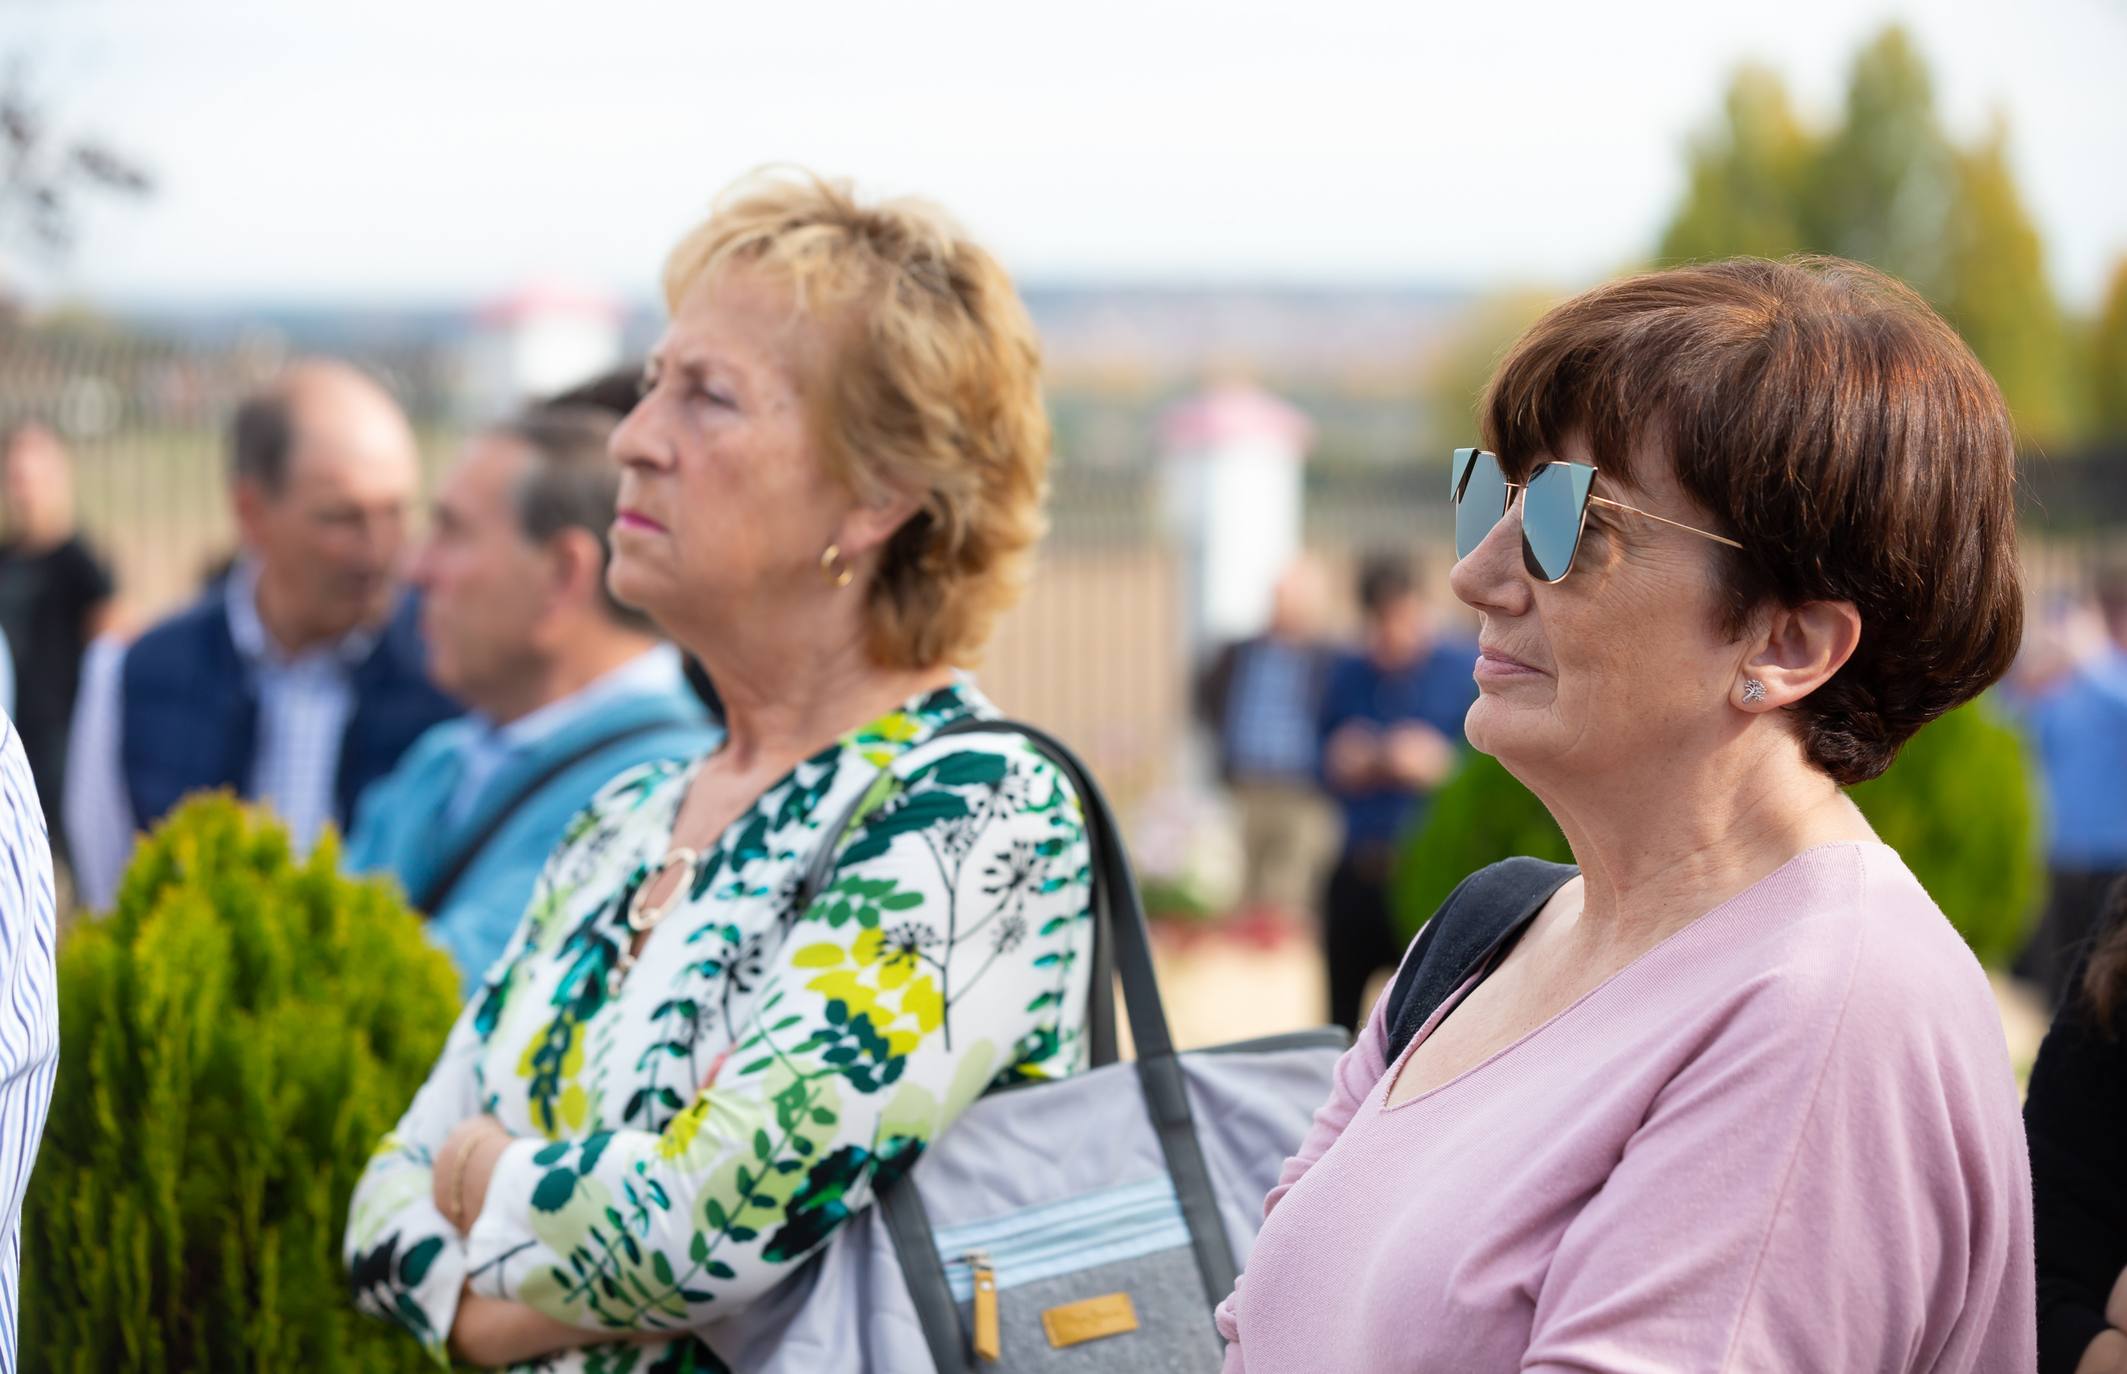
<point x="638" y="440"/>
<point x="1491" y="577"/>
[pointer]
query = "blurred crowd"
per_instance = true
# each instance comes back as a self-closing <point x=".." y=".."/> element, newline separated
<point x="446" y="703"/>
<point x="1328" y="752"/>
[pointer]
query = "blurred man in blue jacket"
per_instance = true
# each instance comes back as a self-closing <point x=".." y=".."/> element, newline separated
<point x="567" y="687"/>
<point x="1391" y="728"/>
<point x="295" y="680"/>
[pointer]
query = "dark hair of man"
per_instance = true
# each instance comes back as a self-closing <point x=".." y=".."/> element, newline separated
<point x="616" y="391"/>
<point x="571" y="484"/>
<point x="1384" y="579"/>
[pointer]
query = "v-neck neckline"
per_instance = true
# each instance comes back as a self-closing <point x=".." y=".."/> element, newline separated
<point x="1490" y="964"/>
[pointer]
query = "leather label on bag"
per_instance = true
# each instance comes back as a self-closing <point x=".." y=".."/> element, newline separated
<point x="1110" y="1314"/>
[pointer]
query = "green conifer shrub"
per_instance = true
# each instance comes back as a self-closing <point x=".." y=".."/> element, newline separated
<point x="1957" y="806"/>
<point x="235" y="1036"/>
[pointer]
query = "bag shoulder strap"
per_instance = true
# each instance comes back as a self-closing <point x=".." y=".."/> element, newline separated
<point x="1122" y="945"/>
<point x="440" y="887"/>
<point x="1486" y="911"/>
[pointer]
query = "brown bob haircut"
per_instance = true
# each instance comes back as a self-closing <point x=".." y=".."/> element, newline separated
<point x="926" y="379"/>
<point x="1824" y="417"/>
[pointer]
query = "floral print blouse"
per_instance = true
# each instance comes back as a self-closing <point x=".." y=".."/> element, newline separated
<point x="690" y="1133"/>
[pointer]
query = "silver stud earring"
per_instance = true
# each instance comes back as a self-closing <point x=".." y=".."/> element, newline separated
<point x="1753" y="691"/>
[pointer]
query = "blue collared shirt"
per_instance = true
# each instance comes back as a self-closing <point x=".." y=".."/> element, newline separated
<point x="490" y="746"/>
<point x="304" y="702"/>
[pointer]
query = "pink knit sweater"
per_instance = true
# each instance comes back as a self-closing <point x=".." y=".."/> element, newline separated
<point x="1785" y="1139"/>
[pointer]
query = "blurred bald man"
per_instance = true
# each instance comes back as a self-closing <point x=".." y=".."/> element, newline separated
<point x="296" y="680"/>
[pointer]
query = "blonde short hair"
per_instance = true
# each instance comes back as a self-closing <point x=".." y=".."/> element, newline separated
<point x="928" y="382"/>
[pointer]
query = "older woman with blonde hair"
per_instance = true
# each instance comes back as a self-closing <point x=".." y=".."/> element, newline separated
<point x="685" y="1073"/>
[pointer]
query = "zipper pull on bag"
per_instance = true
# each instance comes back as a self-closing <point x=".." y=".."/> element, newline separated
<point x="988" y="1344"/>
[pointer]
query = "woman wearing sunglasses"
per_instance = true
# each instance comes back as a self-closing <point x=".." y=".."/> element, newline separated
<point x="1731" y="1093"/>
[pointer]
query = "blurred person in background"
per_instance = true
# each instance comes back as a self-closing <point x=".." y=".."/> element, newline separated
<point x="2075" y="1116"/>
<point x="296" y="680"/>
<point x="830" y="490"/>
<point x="566" y="687"/>
<point x="55" y="597"/>
<point x="1390" y="726"/>
<point x="2070" y="692"/>
<point x="1261" y="698"/>
<point x="1729" y="1092"/>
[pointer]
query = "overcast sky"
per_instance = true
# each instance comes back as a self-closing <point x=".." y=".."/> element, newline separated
<point x="454" y="149"/>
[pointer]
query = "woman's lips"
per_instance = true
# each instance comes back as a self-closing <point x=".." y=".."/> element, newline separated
<point x="636" y="520"/>
<point x="1494" y="664"/>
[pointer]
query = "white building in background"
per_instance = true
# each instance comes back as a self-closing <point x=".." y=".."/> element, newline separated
<point x="1232" y="481"/>
<point x="535" y="342"/>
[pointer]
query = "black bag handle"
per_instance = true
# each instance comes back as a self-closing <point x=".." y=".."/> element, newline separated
<point x="1119" y="927"/>
<point x="1122" y="942"/>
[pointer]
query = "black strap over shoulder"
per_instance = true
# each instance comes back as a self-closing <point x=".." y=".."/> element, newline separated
<point x="1486" y="910"/>
<point x="438" y="890"/>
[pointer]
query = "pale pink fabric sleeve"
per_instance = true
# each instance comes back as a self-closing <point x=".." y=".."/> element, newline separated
<point x="1358" y="1070"/>
<point x="1810" y="1202"/>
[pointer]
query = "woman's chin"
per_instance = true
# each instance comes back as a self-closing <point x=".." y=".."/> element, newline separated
<point x="1505" y="732"/>
<point x="635" y="586"/>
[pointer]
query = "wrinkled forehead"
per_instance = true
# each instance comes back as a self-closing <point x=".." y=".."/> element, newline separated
<point x="741" y="316"/>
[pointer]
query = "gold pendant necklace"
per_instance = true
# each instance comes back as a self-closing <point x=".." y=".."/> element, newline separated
<point x="643" y="917"/>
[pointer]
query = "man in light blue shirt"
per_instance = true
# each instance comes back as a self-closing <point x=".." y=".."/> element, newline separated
<point x="568" y="688"/>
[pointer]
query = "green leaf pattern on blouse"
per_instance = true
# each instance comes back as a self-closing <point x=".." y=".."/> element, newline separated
<point x="684" y="1145"/>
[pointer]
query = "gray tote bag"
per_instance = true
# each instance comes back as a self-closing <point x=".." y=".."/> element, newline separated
<point x="1087" y="1223"/>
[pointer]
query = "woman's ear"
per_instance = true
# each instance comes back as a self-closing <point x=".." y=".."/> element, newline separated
<point x="870" y="524"/>
<point x="1797" y="649"/>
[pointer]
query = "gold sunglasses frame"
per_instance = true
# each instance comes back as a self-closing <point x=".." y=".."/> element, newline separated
<point x="1580" y="528"/>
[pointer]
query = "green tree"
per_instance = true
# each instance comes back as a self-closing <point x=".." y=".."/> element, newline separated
<point x="1882" y="187"/>
<point x="1888" y="187"/>
<point x="1996" y="293"/>
<point x="1745" y="177"/>
<point x="238" y="1033"/>
<point x="2108" y="360"/>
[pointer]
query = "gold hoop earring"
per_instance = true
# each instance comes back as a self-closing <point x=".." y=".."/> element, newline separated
<point x="836" y="576"/>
